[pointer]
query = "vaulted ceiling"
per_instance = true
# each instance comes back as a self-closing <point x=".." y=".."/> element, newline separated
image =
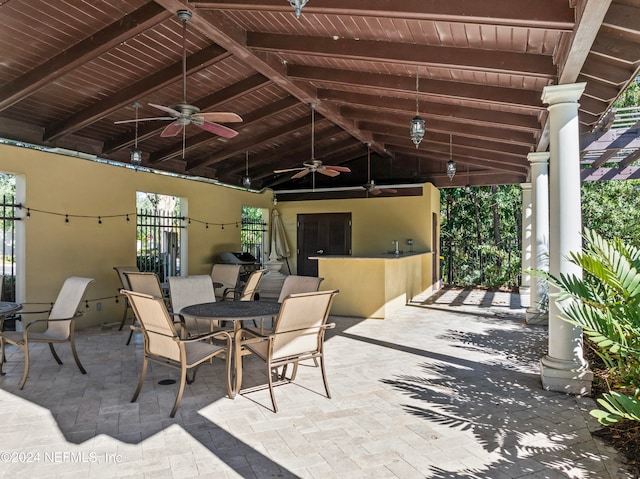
<point x="71" y="69"/>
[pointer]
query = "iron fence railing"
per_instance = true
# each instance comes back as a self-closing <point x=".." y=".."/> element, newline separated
<point x="158" y="242"/>
<point x="252" y="235"/>
<point x="8" y="258"/>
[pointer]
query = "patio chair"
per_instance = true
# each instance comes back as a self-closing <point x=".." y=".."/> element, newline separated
<point x="189" y="290"/>
<point x="60" y="325"/>
<point x="227" y="275"/>
<point x="294" y="284"/>
<point x="147" y="283"/>
<point x="163" y="345"/>
<point x="250" y="289"/>
<point x="298" y="335"/>
<point x="124" y="284"/>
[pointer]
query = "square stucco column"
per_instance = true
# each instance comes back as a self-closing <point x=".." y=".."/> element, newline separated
<point x="564" y="368"/>
<point x="537" y="310"/>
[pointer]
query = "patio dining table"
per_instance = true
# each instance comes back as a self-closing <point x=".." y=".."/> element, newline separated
<point x="235" y="312"/>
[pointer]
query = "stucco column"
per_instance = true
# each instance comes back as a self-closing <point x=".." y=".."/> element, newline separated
<point x="525" y="280"/>
<point x="537" y="310"/>
<point x="564" y="368"/>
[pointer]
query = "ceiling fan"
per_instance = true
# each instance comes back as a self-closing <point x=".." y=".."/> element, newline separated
<point x="314" y="165"/>
<point x="183" y="114"/>
<point x="371" y="187"/>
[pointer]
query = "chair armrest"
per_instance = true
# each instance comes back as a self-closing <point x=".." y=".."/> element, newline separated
<point x="31" y="323"/>
<point x="216" y="335"/>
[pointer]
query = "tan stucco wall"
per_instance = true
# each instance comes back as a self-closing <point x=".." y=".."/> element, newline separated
<point x="61" y="184"/>
<point x="376" y="222"/>
<point x="74" y="186"/>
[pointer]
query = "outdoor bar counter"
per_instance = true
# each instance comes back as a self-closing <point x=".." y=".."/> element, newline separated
<point x="375" y="286"/>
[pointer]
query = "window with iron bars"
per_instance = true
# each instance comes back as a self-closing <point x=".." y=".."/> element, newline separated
<point x="158" y="236"/>
<point x="252" y="232"/>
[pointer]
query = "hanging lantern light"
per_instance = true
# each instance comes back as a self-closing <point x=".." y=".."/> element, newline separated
<point x="246" y="179"/>
<point x="136" y="153"/>
<point x="416" y="128"/>
<point x="451" y="165"/>
<point x="297" y="6"/>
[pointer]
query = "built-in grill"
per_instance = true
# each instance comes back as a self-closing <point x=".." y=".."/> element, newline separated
<point x="248" y="263"/>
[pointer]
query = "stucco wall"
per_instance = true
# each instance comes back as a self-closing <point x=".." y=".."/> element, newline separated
<point x="376" y="222"/>
<point x="54" y="250"/>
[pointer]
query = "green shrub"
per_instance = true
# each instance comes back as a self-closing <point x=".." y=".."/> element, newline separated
<point x="605" y="302"/>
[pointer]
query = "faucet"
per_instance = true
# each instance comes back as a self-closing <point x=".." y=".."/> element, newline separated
<point x="396" y="244"/>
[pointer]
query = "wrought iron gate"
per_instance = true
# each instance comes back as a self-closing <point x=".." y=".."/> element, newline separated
<point x="158" y="235"/>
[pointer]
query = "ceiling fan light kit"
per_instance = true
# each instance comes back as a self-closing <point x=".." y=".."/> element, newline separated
<point x="314" y="165"/>
<point x="297" y="6"/>
<point x="183" y="114"/>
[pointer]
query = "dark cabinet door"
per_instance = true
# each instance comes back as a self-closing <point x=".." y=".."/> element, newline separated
<point x="322" y="234"/>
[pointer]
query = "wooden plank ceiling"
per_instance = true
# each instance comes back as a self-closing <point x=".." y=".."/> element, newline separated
<point x="70" y="69"/>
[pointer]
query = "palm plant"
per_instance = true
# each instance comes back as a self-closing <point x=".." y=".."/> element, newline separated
<point x="605" y="302"/>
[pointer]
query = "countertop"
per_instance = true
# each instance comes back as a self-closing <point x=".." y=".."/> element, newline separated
<point x="405" y="254"/>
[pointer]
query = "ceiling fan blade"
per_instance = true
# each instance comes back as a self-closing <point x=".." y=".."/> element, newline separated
<point x="301" y="174"/>
<point x="218" y="129"/>
<point x="171" y="111"/>
<point x="144" y="119"/>
<point x="389" y="190"/>
<point x="328" y="171"/>
<point x="375" y="191"/>
<point x="171" y="130"/>
<point x="288" y="170"/>
<point x="342" y="169"/>
<point x="220" y="117"/>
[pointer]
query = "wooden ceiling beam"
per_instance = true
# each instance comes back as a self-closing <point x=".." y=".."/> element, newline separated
<point x="496" y="134"/>
<point x="515" y="150"/>
<point x="547" y="14"/>
<point x="458" y="153"/>
<point x="145" y="18"/>
<point x="248" y="142"/>
<point x="494" y="61"/>
<point x="473" y="92"/>
<point x="428" y="109"/>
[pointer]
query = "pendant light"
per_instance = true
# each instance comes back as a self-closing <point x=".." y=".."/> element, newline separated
<point x="297" y="6"/>
<point x="451" y="165"/>
<point x="136" y="154"/>
<point x="416" y="128"/>
<point x="246" y="179"/>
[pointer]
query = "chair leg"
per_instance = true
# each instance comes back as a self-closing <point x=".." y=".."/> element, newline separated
<point x="3" y="359"/>
<point x="26" y="366"/>
<point x="124" y="316"/>
<point x="273" y="397"/>
<point x="183" y="380"/>
<point x="141" y="380"/>
<point x="55" y="355"/>
<point x="324" y="376"/>
<point x="75" y="353"/>
<point x="130" y="335"/>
